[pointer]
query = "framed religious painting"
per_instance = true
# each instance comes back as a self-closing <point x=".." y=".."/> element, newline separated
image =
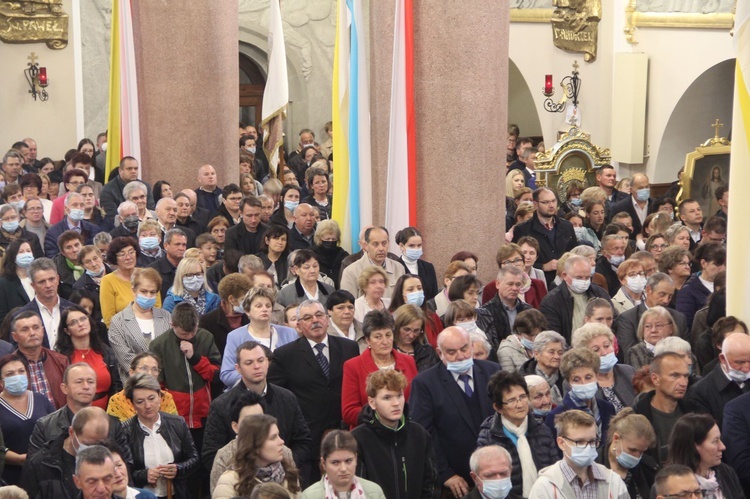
<point x="690" y="14"/>
<point x="531" y="11"/>
<point x="706" y="169"/>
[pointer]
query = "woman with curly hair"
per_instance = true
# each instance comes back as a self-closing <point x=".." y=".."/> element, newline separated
<point x="259" y="459"/>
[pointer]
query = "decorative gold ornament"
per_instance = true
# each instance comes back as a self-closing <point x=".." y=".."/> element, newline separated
<point x="31" y="21"/>
<point x="705" y="169"/>
<point x="575" y="26"/>
<point x="573" y="157"/>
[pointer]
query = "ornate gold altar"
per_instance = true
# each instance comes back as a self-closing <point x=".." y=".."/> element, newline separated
<point x="31" y="21"/>
<point x="573" y="157"/>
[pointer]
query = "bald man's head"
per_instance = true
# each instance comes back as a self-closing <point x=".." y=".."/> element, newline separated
<point x="735" y="353"/>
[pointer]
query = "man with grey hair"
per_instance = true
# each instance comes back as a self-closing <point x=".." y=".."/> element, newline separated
<point x="490" y="469"/>
<point x="450" y="401"/>
<point x="504" y="307"/>
<point x="95" y="473"/>
<point x="12" y="166"/>
<point x="127" y="218"/>
<point x="73" y="220"/>
<point x="166" y="213"/>
<point x="658" y="292"/>
<point x="47" y="303"/>
<point x="312" y="367"/>
<point x="725" y="382"/>
<point x="49" y="472"/>
<point x="175" y="244"/>
<point x="565" y="306"/>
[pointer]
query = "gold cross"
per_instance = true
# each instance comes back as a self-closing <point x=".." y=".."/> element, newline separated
<point x="33" y="57"/>
<point x="716" y="126"/>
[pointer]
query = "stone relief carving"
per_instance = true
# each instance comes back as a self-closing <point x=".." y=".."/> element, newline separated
<point x="531" y="4"/>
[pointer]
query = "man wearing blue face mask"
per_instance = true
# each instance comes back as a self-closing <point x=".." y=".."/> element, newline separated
<point x="576" y="474"/>
<point x="450" y="400"/>
<point x="613" y="254"/>
<point x="490" y="470"/>
<point x="637" y="204"/>
<point x="73" y="220"/>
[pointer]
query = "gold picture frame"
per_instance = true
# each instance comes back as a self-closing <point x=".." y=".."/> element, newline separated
<point x="637" y="19"/>
<point x="531" y="15"/>
<point x="706" y="168"/>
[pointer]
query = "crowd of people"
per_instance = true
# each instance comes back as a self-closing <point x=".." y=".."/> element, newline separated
<point x="219" y="342"/>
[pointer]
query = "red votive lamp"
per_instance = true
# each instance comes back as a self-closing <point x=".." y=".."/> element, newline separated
<point x="547" y="84"/>
<point x="42" y="77"/>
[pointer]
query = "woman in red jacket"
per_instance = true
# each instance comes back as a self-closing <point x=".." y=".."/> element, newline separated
<point x="378" y="329"/>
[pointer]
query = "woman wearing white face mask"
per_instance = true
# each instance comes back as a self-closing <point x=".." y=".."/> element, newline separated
<point x="633" y="281"/>
<point x="190" y="286"/>
<point x="630" y="436"/>
<point x="579" y="368"/>
<point x="409" y="241"/>
<point x="615" y="380"/>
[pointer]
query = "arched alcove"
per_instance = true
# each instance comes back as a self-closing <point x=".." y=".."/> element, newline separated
<point x="709" y="97"/>
<point x="521" y="108"/>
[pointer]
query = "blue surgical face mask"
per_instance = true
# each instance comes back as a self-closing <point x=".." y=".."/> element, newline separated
<point x="145" y="303"/>
<point x="576" y="202"/>
<point x="10" y="227"/>
<point x="250" y="149"/>
<point x="468" y="326"/>
<point x="95" y="273"/>
<point x="616" y="260"/>
<point x="16" y="385"/>
<point x="291" y="205"/>
<point x="76" y="214"/>
<point x="626" y="460"/>
<point x="527" y="344"/>
<point x="413" y="253"/>
<point x="194" y="283"/>
<point x="24" y="260"/>
<point x="496" y="489"/>
<point x="580" y="286"/>
<point x="415" y="298"/>
<point x="607" y="362"/>
<point x="461" y="366"/>
<point x="736" y="375"/>
<point x="541" y="412"/>
<point x="583" y="458"/>
<point x="18" y="205"/>
<point x="81" y="447"/>
<point x="149" y="243"/>
<point x="238" y="310"/>
<point x="584" y="392"/>
<point x="642" y="195"/>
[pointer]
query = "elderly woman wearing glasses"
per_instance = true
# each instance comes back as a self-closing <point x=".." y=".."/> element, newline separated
<point x="145" y="363"/>
<point x="655" y="325"/>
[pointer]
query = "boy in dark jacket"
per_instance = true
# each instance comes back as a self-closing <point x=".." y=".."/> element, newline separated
<point x="392" y="451"/>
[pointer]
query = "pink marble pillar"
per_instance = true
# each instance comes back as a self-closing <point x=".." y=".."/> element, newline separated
<point x="188" y="81"/>
<point x="461" y="92"/>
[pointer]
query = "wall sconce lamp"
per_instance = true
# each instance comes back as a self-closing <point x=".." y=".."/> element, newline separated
<point x="571" y="86"/>
<point x="36" y="77"/>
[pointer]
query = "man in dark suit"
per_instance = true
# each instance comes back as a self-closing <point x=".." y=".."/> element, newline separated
<point x="521" y="144"/>
<point x="47" y="303"/>
<point x="175" y="245"/>
<point x="736" y="426"/>
<point x="565" y="305"/>
<point x="450" y="400"/>
<point x="528" y="156"/>
<point x="725" y="382"/>
<point x="554" y="234"/>
<point x="247" y="235"/>
<point x="490" y="463"/>
<point x="637" y="204"/>
<point x="606" y="178"/>
<point x="312" y="367"/>
<point x="658" y="292"/>
<point x="73" y="220"/>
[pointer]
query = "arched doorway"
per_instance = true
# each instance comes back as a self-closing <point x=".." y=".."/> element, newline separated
<point x="521" y="107"/>
<point x="252" y="84"/>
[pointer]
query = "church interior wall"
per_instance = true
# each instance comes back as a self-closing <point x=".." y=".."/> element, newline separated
<point x="53" y="122"/>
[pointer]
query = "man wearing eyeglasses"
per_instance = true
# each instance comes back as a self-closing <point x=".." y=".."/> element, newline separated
<point x="576" y="474"/>
<point x="312" y="368"/>
<point x="677" y="481"/>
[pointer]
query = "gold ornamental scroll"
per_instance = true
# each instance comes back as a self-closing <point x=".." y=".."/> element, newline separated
<point x="32" y="21"/>
<point x="575" y="26"/>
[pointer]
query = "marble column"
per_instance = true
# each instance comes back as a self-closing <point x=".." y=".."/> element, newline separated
<point x="460" y="78"/>
<point x="188" y="82"/>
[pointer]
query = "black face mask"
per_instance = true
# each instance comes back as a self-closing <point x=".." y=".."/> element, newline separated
<point x="329" y="245"/>
<point x="131" y="223"/>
